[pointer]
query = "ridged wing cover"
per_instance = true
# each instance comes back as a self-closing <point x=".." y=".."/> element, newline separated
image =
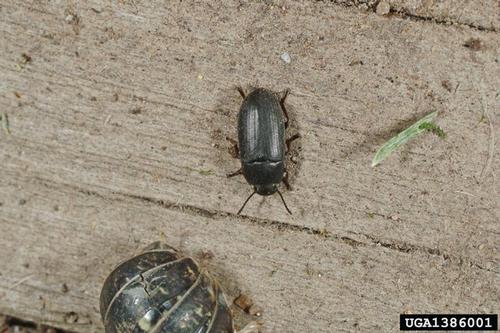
<point x="261" y="128"/>
<point x="160" y="291"/>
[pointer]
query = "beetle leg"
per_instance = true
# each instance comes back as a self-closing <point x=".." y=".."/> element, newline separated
<point x="285" y="181"/>
<point x="240" y="90"/>
<point x="235" y="151"/>
<point x="239" y="172"/>
<point x="289" y="140"/>
<point x="282" y="103"/>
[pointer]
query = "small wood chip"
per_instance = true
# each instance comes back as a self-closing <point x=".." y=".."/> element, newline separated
<point x="383" y="8"/>
<point x="243" y="302"/>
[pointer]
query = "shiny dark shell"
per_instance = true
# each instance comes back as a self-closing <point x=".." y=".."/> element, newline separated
<point x="160" y="291"/>
<point x="261" y="138"/>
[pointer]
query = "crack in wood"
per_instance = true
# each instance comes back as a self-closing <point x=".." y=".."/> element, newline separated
<point x="371" y="6"/>
<point x="419" y="18"/>
<point x="394" y="245"/>
<point x="399" y="246"/>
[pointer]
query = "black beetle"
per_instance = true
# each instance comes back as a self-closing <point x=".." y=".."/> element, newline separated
<point x="262" y="121"/>
<point x="160" y="291"/>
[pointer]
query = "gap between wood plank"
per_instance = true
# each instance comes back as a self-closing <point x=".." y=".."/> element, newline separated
<point x="404" y="13"/>
<point x="394" y="245"/>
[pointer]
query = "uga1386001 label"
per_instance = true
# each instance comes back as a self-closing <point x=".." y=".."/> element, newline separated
<point x="448" y="322"/>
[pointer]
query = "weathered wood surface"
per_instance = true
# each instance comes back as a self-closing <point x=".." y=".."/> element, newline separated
<point x="117" y="138"/>
<point x="482" y="15"/>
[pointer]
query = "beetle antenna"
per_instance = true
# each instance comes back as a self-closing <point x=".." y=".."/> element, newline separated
<point x="244" y="204"/>
<point x="284" y="203"/>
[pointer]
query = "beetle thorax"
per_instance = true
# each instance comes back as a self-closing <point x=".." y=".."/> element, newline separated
<point x="266" y="189"/>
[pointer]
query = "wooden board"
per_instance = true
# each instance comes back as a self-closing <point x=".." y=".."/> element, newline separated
<point x="118" y="115"/>
<point x="302" y="282"/>
<point x="481" y="15"/>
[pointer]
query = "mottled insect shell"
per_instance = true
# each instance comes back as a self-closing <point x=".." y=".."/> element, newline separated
<point x="160" y="291"/>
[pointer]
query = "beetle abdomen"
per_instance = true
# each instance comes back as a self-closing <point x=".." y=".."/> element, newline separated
<point x="161" y="291"/>
<point x="261" y="129"/>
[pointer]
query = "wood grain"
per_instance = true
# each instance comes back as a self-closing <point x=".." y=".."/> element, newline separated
<point x="481" y="15"/>
<point x="301" y="281"/>
<point x="118" y="124"/>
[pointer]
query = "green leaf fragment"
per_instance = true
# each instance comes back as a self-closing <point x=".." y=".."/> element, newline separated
<point x="402" y="138"/>
<point x="5" y="122"/>
<point x="431" y="127"/>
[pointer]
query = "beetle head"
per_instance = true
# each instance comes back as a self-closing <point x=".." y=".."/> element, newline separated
<point x="266" y="189"/>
